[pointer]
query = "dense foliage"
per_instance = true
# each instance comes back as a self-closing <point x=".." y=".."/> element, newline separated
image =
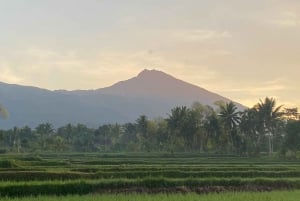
<point x="200" y="128"/>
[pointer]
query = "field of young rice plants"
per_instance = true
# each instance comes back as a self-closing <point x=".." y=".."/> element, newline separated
<point x="147" y="176"/>
<point x="229" y="196"/>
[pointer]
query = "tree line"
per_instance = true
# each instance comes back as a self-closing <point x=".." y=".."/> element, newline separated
<point x="223" y="129"/>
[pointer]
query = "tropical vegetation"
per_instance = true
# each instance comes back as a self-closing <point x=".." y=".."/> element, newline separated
<point x="223" y="129"/>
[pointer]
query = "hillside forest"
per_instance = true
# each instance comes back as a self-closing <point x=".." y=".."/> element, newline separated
<point x="263" y="129"/>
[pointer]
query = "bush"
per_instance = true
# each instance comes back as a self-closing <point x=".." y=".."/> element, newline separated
<point x="8" y="163"/>
<point x="3" y="151"/>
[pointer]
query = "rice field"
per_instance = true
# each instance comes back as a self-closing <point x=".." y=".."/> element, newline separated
<point x="232" y="196"/>
<point x="147" y="176"/>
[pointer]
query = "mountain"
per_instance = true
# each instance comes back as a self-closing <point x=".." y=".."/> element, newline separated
<point x="153" y="83"/>
<point x="151" y="92"/>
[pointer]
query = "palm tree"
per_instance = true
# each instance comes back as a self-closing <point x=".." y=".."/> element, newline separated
<point x="212" y="128"/>
<point x="269" y="115"/>
<point x="249" y="127"/>
<point x="44" y="130"/>
<point x="230" y="118"/>
<point x="177" y="122"/>
<point x="142" y="126"/>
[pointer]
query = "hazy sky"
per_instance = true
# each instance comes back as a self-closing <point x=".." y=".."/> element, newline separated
<point x="244" y="50"/>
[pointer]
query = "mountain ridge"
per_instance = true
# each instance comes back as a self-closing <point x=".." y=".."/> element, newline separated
<point x="152" y="93"/>
<point x="164" y="85"/>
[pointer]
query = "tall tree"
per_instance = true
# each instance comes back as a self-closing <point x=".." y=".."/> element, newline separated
<point x="183" y="124"/>
<point x="130" y="138"/>
<point x="230" y="118"/>
<point x="16" y="140"/>
<point x="103" y="137"/>
<point x="249" y="128"/>
<point x="142" y="124"/>
<point x="212" y="126"/>
<point x="292" y="138"/>
<point x="67" y="132"/>
<point x="269" y="115"/>
<point x="207" y="126"/>
<point x="44" y="131"/>
<point x="180" y="134"/>
<point x="83" y="138"/>
<point x="28" y="139"/>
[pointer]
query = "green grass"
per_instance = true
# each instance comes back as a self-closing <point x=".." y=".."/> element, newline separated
<point x="241" y="196"/>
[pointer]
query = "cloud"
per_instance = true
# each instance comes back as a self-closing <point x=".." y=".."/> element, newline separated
<point x="248" y="93"/>
<point x="287" y="22"/>
<point x="200" y="35"/>
<point x="288" y="103"/>
<point x="7" y="75"/>
<point x="286" y="19"/>
<point x="76" y="69"/>
<point x="257" y="90"/>
<point x="261" y="88"/>
<point x="180" y="68"/>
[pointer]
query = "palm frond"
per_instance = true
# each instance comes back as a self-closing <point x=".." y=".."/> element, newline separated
<point x="3" y="112"/>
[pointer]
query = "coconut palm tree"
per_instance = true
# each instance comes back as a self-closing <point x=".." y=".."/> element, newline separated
<point x="178" y="122"/>
<point x="230" y="118"/>
<point x="213" y="129"/>
<point x="249" y="128"/>
<point x="44" y="130"/>
<point x="268" y="115"/>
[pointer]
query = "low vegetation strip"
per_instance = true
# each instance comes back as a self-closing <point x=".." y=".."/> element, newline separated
<point x="228" y="196"/>
<point x="180" y="168"/>
<point x="155" y="185"/>
<point x="44" y="175"/>
<point x="199" y="174"/>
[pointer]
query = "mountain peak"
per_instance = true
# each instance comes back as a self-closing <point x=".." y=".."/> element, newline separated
<point x="145" y="71"/>
<point x="153" y="83"/>
<point x="152" y="73"/>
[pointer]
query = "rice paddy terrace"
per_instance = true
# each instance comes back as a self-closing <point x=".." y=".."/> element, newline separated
<point x="85" y="174"/>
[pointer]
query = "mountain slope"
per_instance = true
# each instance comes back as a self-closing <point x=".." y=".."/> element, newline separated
<point x="152" y="93"/>
<point x="153" y="83"/>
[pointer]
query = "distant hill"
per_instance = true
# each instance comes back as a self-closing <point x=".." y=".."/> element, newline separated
<point x="151" y="92"/>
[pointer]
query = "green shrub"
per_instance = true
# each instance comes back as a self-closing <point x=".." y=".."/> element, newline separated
<point x="8" y="163"/>
<point x="3" y="151"/>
